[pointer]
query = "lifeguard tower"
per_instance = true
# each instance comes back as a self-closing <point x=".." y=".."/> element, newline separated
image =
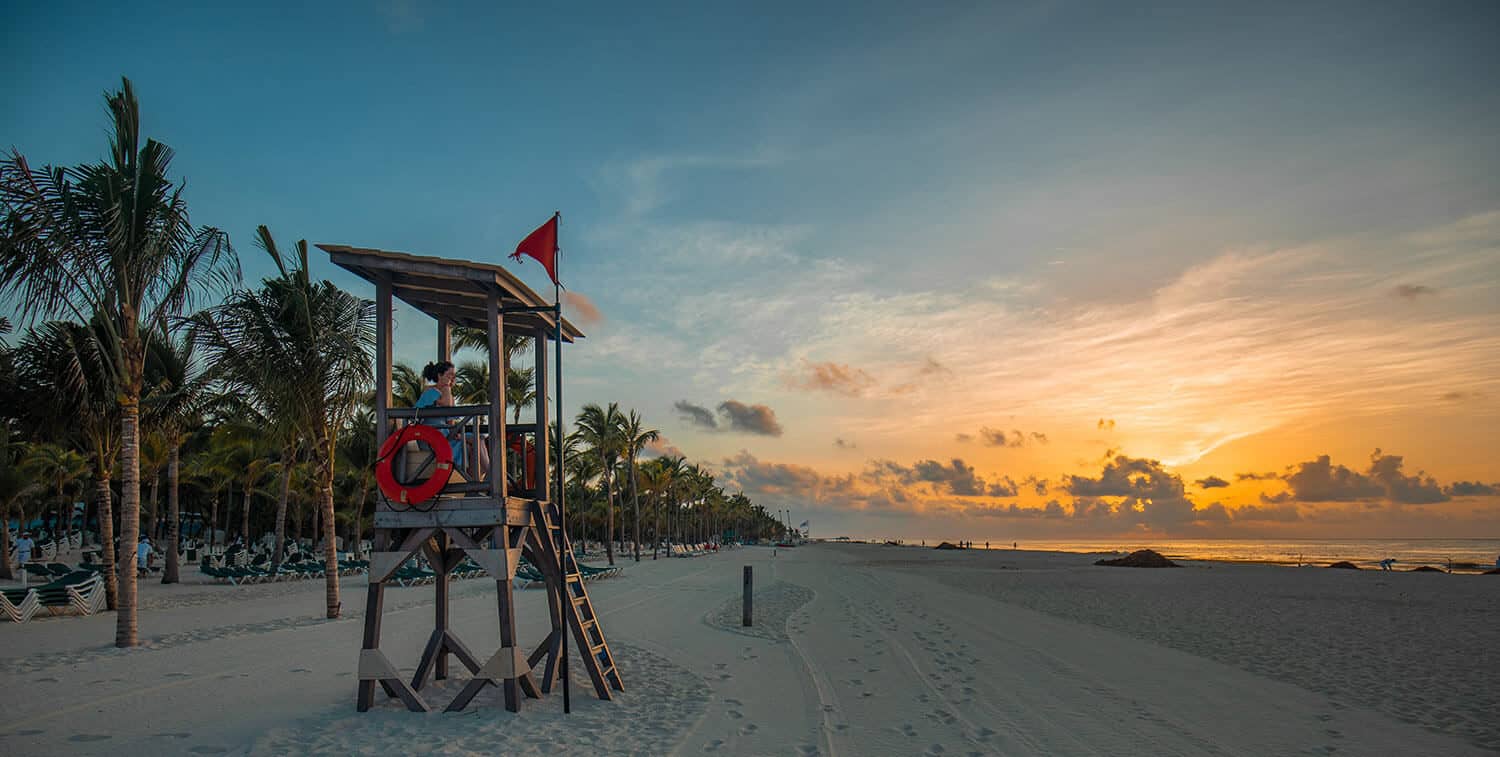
<point x="494" y="515"/>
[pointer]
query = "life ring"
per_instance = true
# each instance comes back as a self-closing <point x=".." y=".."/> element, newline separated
<point x="412" y="494"/>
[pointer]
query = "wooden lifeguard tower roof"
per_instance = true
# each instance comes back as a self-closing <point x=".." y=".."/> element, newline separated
<point x="455" y="290"/>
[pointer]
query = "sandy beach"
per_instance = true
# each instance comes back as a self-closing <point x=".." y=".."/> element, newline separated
<point x="857" y="650"/>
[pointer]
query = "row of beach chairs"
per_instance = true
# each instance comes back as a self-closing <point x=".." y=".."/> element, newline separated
<point x="528" y="576"/>
<point x="290" y="571"/>
<point x="78" y="591"/>
<point x="690" y="550"/>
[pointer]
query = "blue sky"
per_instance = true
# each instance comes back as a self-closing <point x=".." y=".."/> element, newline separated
<point x="894" y="226"/>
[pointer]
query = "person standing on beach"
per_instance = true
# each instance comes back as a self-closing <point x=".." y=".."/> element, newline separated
<point x="25" y="545"/>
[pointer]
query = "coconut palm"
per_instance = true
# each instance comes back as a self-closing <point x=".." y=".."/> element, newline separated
<point x="635" y="437"/>
<point x="111" y="238"/>
<point x="656" y="476"/>
<point x="520" y="391"/>
<point x="177" y="395"/>
<point x="71" y="395"/>
<point x="599" y="430"/>
<point x="17" y="483"/>
<point x="153" y="460"/>
<point x="471" y="384"/>
<point x="407" y="386"/>
<point x="60" y="470"/>
<point x="302" y="348"/>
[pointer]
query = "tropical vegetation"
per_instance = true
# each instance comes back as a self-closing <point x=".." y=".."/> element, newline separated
<point x="136" y="360"/>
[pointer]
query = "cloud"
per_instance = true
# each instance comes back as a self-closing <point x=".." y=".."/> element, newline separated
<point x="1106" y="424"/>
<point x="749" y="419"/>
<point x="1256" y="476"/>
<point x="843" y="443"/>
<point x="832" y="377"/>
<point x="737" y="417"/>
<point x="931" y="367"/>
<point x="1004" y="487"/>
<point x="1320" y="480"/>
<point x="696" y="415"/>
<point x="955" y="477"/>
<point x="994" y="437"/>
<point x="662" y="447"/>
<point x="1038" y="485"/>
<point x="1458" y="396"/>
<point x="577" y="306"/>
<point x="1212" y="482"/>
<point x="1136" y="491"/>
<point x="1471" y="489"/>
<point x="1412" y="291"/>
<point x="963" y="438"/>
<point x="1279" y="513"/>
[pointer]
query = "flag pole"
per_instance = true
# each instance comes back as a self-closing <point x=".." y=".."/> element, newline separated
<point x="562" y="511"/>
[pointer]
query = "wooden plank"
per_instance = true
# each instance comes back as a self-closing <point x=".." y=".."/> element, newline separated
<point x="374" y="602"/>
<point x="498" y="447"/>
<point x="444" y="340"/>
<point x="443" y="519"/>
<point x="541" y="472"/>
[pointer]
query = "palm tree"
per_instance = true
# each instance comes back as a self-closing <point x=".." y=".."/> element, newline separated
<point x="303" y="348"/>
<point x="71" y="394"/>
<point x="408" y="386"/>
<point x="17" y="482"/>
<point x="520" y="391"/>
<point x="599" y="428"/>
<point x="176" y="398"/>
<point x="635" y="437"/>
<point x="357" y="453"/>
<point x="111" y="238"/>
<point x="471" y="384"/>
<point x="153" y="459"/>
<point x="657" y="477"/>
<point x="58" y="469"/>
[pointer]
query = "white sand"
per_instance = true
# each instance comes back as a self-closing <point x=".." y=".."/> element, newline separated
<point x="857" y="650"/>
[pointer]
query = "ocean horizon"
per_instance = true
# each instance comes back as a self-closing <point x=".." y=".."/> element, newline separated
<point x="1408" y="553"/>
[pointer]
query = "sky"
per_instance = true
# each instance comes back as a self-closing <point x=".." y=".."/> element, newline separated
<point x="995" y="271"/>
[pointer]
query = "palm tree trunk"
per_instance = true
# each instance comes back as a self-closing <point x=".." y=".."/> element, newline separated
<point x="656" y="529"/>
<point x="635" y="504"/>
<point x="107" y="541"/>
<point x="609" y="528"/>
<point x="151" y="519"/>
<point x="130" y="509"/>
<point x="5" y="572"/>
<point x="330" y="544"/>
<point x="244" y="513"/>
<point x="359" y="513"/>
<point x="281" y="500"/>
<point x="169" y="574"/>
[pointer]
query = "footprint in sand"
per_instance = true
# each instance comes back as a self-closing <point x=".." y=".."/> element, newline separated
<point x="208" y="750"/>
<point x="734" y="702"/>
<point x="713" y="746"/>
<point x="29" y="732"/>
<point x="171" y="735"/>
<point x="984" y="734"/>
<point x="867" y="694"/>
<point x="936" y="749"/>
<point x="908" y="731"/>
<point x="178" y="675"/>
<point x="749" y="729"/>
<point x="807" y="749"/>
<point x="299" y="670"/>
<point x="736" y="714"/>
<point x="88" y="737"/>
<point x="46" y="680"/>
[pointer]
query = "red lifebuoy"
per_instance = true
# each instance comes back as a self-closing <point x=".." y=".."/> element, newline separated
<point x="411" y="494"/>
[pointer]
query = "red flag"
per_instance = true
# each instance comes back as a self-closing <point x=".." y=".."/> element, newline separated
<point x="542" y="245"/>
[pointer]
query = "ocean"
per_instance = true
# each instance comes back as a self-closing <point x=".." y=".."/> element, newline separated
<point x="1366" y="553"/>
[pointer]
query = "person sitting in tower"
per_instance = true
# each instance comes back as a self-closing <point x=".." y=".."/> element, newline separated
<point x="441" y="375"/>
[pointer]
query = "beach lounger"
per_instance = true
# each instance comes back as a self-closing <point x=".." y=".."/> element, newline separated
<point x="18" y="605"/>
<point x="78" y="592"/>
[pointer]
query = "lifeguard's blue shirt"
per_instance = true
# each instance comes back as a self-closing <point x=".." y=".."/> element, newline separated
<point x="429" y="398"/>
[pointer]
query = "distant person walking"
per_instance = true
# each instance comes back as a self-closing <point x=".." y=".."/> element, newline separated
<point x="143" y="553"/>
<point x="1387" y="563"/>
<point x="24" y="546"/>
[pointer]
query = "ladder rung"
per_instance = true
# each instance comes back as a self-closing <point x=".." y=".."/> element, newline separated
<point x="595" y="650"/>
<point x="580" y="600"/>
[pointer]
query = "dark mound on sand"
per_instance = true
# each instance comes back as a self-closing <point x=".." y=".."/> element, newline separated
<point x="1141" y="558"/>
<point x="1427" y="569"/>
<point x="947" y="545"/>
<point x="1344" y="565"/>
<point x="1491" y="572"/>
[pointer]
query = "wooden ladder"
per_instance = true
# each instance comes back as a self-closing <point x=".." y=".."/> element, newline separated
<point x="556" y="551"/>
